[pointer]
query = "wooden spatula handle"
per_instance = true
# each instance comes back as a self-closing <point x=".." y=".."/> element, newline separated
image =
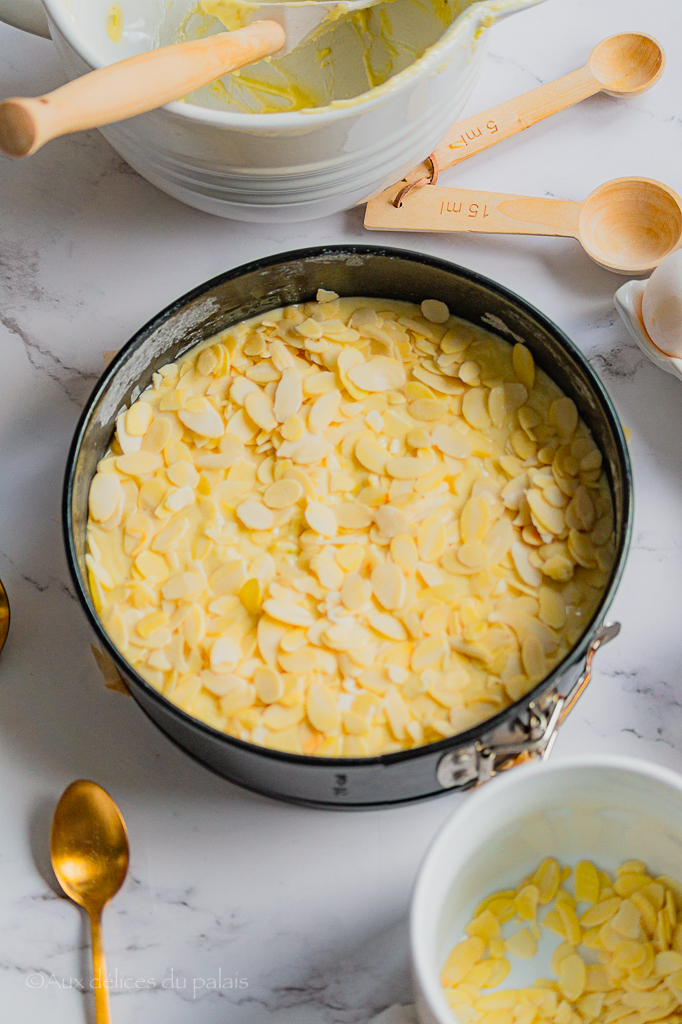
<point x="435" y="208"/>
<point x="132" y="86"/>
<point x="466" y="138"/>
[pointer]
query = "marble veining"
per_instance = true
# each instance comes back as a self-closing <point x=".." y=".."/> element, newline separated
<point x="237" y="908"/>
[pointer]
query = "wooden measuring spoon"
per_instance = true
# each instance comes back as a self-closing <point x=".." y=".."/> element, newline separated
<point x="622" y="65"/>
<point x="627" y="225"/>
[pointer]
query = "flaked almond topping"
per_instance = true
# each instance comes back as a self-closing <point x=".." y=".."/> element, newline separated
<point x="345" y="535"/>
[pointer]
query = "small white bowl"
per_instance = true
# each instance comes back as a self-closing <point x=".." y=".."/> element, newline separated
<point x="628" y="301"/>
<point x="597" y="807"/>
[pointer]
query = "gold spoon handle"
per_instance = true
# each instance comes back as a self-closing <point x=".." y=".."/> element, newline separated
<point x="99" y="970"/>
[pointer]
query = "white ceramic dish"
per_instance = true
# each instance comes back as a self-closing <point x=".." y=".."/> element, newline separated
<point x="283" y="166"/>
<point x="628" y="301"/>
<point x="600" y="807"/>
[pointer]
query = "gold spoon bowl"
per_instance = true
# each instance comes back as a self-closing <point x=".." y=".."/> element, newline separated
<point x="89" y="852"/>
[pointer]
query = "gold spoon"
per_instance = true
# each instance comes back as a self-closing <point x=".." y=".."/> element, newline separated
<point x="4" y="615"/>
<point x="89" y="851"/>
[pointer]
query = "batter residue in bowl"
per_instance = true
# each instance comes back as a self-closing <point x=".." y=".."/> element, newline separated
<point x="345" y="58"/>
<point x="349" y="527"/>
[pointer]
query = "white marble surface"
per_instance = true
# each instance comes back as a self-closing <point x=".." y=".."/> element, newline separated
<point x="309" y="907"/>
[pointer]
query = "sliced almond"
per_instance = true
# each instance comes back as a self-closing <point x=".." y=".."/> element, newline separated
<point x="259" y="407"/>
<point x="352" y="515"/>
<point x="328" y="572"/>
<point x="324" y="410"/>
<point x="379" y="374"/>
<point x="254" y="515"/>
<point x="404" y="553"/>
<point x="451" y="442"/>
<point x="475" y="519"/>
<point x="355" y="592"/>
<point x="428" y="409"/>
<point x="292" y="614"/>
<point x="429" y="653"/>
<point x="105" y="495"/>
<point x="431" y="539"/>
<point x="563" y="414"/>
<point x="138" y="464"/>
<point x="436" y="382"/>
<point x="322" y="709"/>
<point x="350" y="557"/>
<point x="390" y="521"/>
<point x="138" y="419"/>
<point x="521" y="559"/>
<point x="202" y="418"/>
<point x="371" y="455"/>
<point x="288" y="395"/>
<point x="283" y="494"/>
<point x="388" y="585"/>
<point x="321" y="519"/>
<point x="387" y="625"/>
<point x="474" y="408"/>
<point x="407" y="468"/>
<point x="345" y="638"/>
<point x="179" y="498"/>
<point x="435" y="311"/>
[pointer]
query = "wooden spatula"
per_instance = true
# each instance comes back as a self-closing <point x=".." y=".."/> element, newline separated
<point x="151" y="79"/>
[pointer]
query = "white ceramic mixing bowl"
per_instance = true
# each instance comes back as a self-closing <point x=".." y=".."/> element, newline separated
<point x="283" y="166"/>
<point x="596" y="807"/>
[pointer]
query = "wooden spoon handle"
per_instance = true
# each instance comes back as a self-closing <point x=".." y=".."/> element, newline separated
<point x="99" y="971"/>
<point x="434" y="208"/>
<point x="466" y="138"/>
<point x="132" y="86"/>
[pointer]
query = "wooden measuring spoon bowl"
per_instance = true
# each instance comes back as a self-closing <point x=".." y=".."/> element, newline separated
<point x="627" y="64"/>
<point x="627" y="225"/>
<point x="630" y="224"/>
